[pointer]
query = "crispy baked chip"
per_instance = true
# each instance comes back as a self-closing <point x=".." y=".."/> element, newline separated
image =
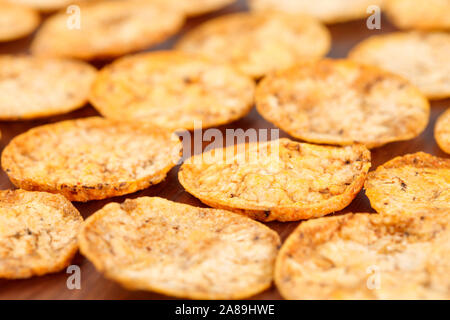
<point x="328" y="11"/>
<point x="341" y="102"/>
<point x="172" y="89"/>
<point x="280" y="180"/>
<point x="37" y="87"/>
<point x="91" y="158"/>
<point x="16" y="21"/>
<point x="38" y="233"/>
<point x="419" y="14"/>
<point x="179" y="250"/>
<point x="420" y="57"/>
<point x="442" y="131"/>
<point x="259" y="43"/>
<point x="409" y="184"/>
<point x="367" y="256"/>
<point x="108" y="29"/>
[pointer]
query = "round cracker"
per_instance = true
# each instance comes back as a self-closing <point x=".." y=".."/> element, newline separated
<point x="108" y="29"/>
<point x="46" y="5"/>
<point x="328" y="11"/>
<point x="37" y="87"/>
<point x="420" y="57"/>
<point x="38" y="233"/>
<point x="16" y="21"/>
<point x="90" y="158"/>
<point x="442" y="131"/>
<point x="419" y="14"/>
<point x="341" y="102"/>
<point x="367" y="256"/>
<point x="412" y="183"/>
<point x="280" y="180"/>
<point x="261" y="42"/>
<point x="173" y="90"/>
<point x="179" y="250"/>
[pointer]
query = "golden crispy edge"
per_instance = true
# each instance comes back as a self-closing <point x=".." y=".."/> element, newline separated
<point x="192" y="34"/>
<point x="374" y="41"/>
<point x="443" y="144"/>
<point x="95" y="95"/>
<point x="46" y="8"/>
<point x="91" y="255"/>
<point x="263" y="89"/>
<point x="395" y="17"/>
<point x="72" y="250"/>
<point x="309" y="231"/>
<point x="417" y="160"/>
<point x="330" y="19"/>
<point x="81" y="193"/>
<point x="333" y="224"/>
<point x="286" y="213"/>
<point x="62" y="109"/>
<point x="35" y="18"/>
<point x="116" y="51"/>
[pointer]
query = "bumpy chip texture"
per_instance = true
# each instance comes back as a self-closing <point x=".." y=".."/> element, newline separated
<point x="16" y="21"/>
<point x="328" y="11"/>
<point x="367" y="256"/>
<point x="38" y="233"/>
<point x="172" y="90"/>
<point x="108" y="29"/>
<point x="36" y="87"/>
<point x="91" y="158"/>
<point x="279" y="180"/>
<point x="259" y="43"/>
<point x="420" y="57"/>
<point x="418" y="14"/>
<point x="179" y="250"/>
<point x="341" y="102"/>
<point x="409" y="184"/>
<point x="442" y="131"/>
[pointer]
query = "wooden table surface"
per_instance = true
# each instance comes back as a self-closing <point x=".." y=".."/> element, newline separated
<point x="93" y="285"/>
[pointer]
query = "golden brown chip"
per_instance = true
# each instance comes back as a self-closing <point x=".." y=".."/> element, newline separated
<point x="420" y="57"/>
<point x="47" y="5"/>
<point x="419" y="14"/>
<point x="328" y="11"/>
<point x="16" y="21"/>
<point x="179" y="250"/>
<point x="442" y="131"/>
<point x="38" y="233"/>
<point x="367" y="256"/>
<point x="259" y="43"/>
<point x="409" y="184"/>
<point x="172" y="89"/>
<point x="280" y="180"/>
<point x="108" y="29"/>
<point x="37" y="87"/>
<point x="341" y="102"/>
<point x="91" y="158"/>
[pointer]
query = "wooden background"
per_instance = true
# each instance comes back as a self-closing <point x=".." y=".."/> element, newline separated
<point x="93" y="285"/>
